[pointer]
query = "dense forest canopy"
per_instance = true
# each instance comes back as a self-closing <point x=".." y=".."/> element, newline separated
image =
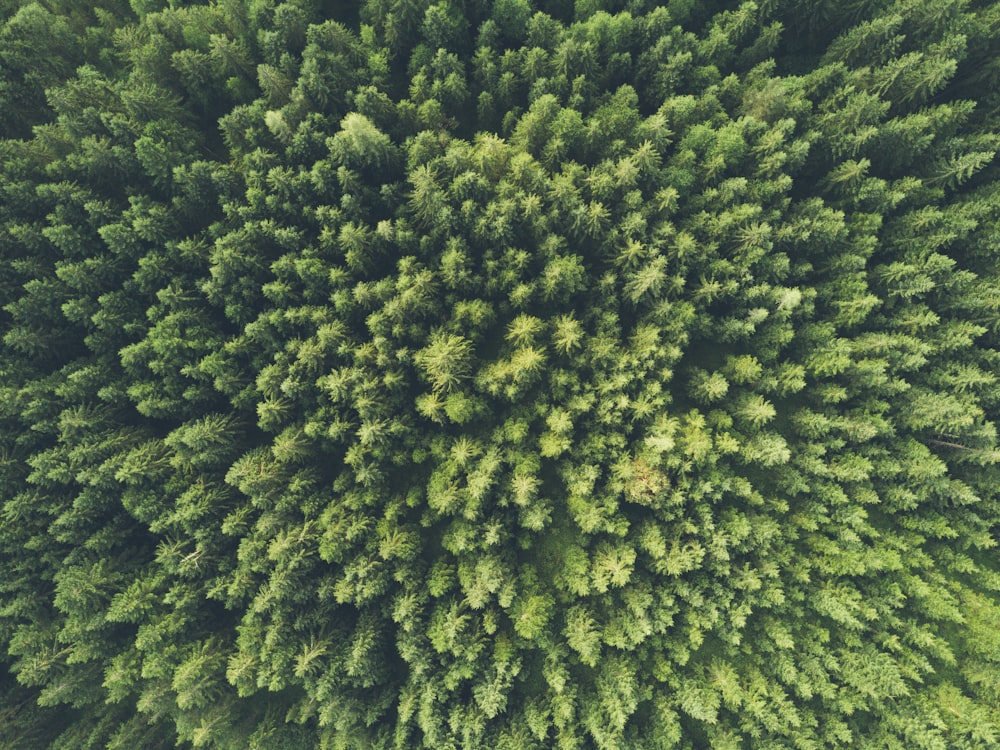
<point x="514" y="374"/>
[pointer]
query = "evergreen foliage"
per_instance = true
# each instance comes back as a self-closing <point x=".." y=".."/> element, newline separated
<point x="590" y="375"/>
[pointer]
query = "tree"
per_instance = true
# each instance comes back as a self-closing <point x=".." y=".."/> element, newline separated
<point x="498" y="374"/>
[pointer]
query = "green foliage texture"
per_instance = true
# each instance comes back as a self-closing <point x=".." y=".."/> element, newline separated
<point x="528" y="374"/>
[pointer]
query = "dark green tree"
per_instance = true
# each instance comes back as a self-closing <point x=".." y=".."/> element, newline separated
<point x="590" y="375"/>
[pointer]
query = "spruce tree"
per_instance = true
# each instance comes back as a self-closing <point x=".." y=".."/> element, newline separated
<point x="516" y="374"/>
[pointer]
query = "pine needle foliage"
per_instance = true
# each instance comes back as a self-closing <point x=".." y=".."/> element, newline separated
<point x="514" y="374"/>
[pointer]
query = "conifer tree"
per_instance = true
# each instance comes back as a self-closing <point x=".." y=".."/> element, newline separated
<point x="515" y="374"/>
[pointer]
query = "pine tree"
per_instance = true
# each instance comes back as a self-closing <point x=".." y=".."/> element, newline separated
<point x="498" y="374"/>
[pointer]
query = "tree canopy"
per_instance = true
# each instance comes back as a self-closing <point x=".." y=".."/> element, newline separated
<point x="514" y="374"/>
